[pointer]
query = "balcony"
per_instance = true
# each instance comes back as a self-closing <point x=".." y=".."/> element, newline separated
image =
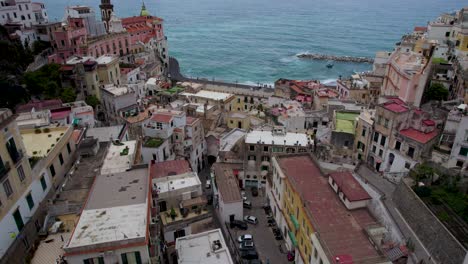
<point x="4" y="169"/>
<point x="16" y="155"/>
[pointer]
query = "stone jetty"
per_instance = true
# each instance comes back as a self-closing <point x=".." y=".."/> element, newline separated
<point x="314" y="56"/>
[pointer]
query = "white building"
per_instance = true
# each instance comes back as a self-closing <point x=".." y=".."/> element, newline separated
<point x="94" y="27"/>
<point x="113" y="226"/>
<point x="114" y="98"/>
<point x="260" y="146"/>
<point x="459" y="153"/>
<point x="227" y="197"/>
<point x="82" y="113"/>
<point x="162" y="123"/>
<point x="208" y="248"/>
<point x="22" y="12"/>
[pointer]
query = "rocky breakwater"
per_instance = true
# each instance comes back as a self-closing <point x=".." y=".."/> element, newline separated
<point x="313" y="56"/>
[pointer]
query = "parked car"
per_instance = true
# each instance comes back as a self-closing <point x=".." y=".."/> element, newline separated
<point x="254" y="191"/>
<point x="278" y="236"/>
<point x="246" y="245"/>
<point x="251" y="219"/>
<point x="239" y="224"/>
<point x="247" y="204"/>
<point x="208" y="184"/>
<point x="246" y="237"/>
<point x="249" y="254"/>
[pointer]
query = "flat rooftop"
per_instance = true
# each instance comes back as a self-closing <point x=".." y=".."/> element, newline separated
<point x="115" y="213"/>
<point x="176" y="182"/>
<point x="269" y="138"/>
<point x="118" y="159"/>
<point x="341" y="231"/>
<point x="105" y="59"/>
<point x="345" y="122"/>
<point x="209" y="95"/>
<point x="116" y="90"/>
<point x="231" y="138"/>
<point x="199" y="248"/>
<point x="169" y="168"/>
<point x="104" y="134"/>
<point x="76" y="59"/>
<point x="40" y="144"/>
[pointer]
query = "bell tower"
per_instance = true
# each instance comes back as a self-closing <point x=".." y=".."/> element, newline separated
<point x="106" y="12"/>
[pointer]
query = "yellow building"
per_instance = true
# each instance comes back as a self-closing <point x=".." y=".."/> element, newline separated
<point x="15" y="171"/>
<point x="238" y="120"/>
<point x="243" y="103"/>
<point x="314" y="220"/>
<point x="297" y="218"/>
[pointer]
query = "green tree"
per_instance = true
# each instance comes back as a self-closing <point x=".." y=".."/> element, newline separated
<point x="68" y="95"/>
<point x="51" y="90"/>
<point x="436" y="91"/>
<point x="92" y="101"/>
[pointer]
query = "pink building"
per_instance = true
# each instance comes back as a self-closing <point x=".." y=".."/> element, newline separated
<point x="406" y="76"/>
<point x="72" y="39"/>
<point x="142" y="28"/>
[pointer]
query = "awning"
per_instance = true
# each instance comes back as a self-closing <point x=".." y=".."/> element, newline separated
<point x="294" y="221"/>
<point x="293" y="238"/>
<point x="76" y="121"/>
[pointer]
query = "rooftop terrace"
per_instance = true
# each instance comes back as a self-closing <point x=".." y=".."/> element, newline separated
<point x="39" y="142"/>
<point x="119" y="157"/>
<point x="115" y="213"/>
<point x="198" y="248"/>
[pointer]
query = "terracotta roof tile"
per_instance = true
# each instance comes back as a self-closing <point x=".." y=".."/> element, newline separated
<point x="349" y="186"/>
<point x="161" y="118"/>
<point x="168" y="168"/>
<point x="419" y="136"/>
<point x="340" y="230"/>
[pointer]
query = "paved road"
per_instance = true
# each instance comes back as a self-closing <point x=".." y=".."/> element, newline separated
<point x="265" y="243"/>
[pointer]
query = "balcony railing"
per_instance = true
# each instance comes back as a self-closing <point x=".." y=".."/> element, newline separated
<point x="4" y="169"/>
<point x="16" y="155"/>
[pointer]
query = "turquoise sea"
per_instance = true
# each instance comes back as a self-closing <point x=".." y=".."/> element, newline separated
<point x="252" y="41"/>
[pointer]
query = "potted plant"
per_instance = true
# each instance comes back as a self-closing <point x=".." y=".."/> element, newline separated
<point x="173" y="213"/>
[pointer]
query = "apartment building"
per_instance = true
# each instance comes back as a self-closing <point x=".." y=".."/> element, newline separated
<point x="207" y="247"/>
<point x="178" y="202"/>
<point x="227" y="198"/>
<point x="260" y="146"/>
<point x="111" y="207"/>
<point x="23" y="12"/>
<point x="317" y="224"/>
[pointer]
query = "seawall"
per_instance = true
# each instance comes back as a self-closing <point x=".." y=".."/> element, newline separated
<point x="314" y="56"/>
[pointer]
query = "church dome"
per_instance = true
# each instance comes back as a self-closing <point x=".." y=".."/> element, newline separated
<point x="144" y="12"/>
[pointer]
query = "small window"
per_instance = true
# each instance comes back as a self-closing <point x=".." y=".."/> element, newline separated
<point x="265" y="148"/>
<point x="7" y="188"/>
<point x="30" y="201"/>
<point x="61" y="158"/>
<point x="407" y="165"/>
<point x="463" y="152"/>
<point x="397" y="145"/>
<point x="382" y="141"/>
<point x="380" y="153"/>
<point x="374" y="149"/>
<point x="68" y="148"/>
<point x="21" y="175"/>
<point x="52" y="170"/>
<point x="43" y="183"/>
<point x="363" y="132"/>
<point x="376" y="137"/>
<point x="410" y="152"/>
<point x="252" y="148"/>
<point x="386" y="123"/>
<point x="459" y="163"/>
